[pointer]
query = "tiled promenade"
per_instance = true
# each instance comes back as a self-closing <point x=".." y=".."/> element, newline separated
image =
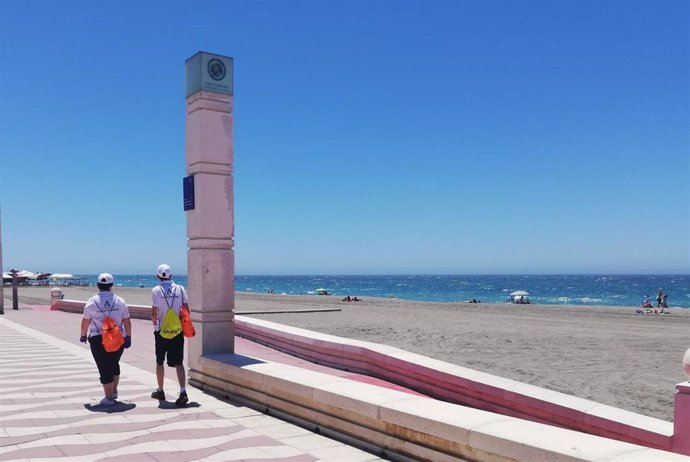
<point x="49" y="394"/>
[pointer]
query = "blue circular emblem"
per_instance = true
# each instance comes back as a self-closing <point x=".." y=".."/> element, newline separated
<point x="216" y="69"/>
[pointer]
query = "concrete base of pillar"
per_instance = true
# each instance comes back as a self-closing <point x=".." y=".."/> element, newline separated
<point x="211" y="337"/>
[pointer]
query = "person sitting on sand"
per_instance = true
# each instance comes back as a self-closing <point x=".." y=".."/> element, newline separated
<point x="647" y="302"/>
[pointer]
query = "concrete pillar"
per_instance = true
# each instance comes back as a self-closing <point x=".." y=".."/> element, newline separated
<point x="55" y="296"/>
<point x="681" y="419"/>
<point x="209" y="200"/>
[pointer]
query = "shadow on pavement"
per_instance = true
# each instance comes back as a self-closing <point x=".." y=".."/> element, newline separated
<point x="118" y="407"/>
<point x="171" y="405"/>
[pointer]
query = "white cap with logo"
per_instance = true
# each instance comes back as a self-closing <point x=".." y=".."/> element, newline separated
<point x="164" y="271"/>
<point x="105" y="278"/>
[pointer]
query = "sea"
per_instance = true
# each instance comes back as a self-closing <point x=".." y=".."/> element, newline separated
<point x="575" y="289"/>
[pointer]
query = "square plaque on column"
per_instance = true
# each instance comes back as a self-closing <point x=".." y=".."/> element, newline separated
<point x="209" y="72"/>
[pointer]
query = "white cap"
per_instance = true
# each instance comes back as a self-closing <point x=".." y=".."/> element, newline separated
<point x="105" y="278"/>
<point x="164" y="271"/>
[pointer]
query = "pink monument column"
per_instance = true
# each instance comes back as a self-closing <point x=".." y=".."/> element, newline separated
<point x="209" y="204"/>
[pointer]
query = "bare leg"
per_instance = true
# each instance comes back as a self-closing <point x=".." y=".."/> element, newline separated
<point x="108" y="389"/>
<point x="181" y="375"/>
<point x="116" y="380"/>
<point x="160" y="375"/>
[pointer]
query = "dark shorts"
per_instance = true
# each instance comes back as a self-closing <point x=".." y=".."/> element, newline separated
<point x="173" y="348"/>
<point x="108" y="364"/>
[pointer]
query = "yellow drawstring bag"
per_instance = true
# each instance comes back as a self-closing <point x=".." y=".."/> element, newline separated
<point x="171" y="326"/>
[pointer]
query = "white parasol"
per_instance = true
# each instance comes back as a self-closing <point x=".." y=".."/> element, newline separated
<point x="61" y="276"/>
<point x="519" y="293"/>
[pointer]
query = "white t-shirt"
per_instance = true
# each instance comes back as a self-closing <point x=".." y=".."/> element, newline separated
<point x="102" y="305"/>
<point x="167" y="295"/>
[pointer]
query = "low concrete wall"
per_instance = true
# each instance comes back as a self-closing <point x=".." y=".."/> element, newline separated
<point x="77" y="306"/>
<point x="398" y="425"/>
<point x="460" y="385"/>
<point x="405" y="427"/>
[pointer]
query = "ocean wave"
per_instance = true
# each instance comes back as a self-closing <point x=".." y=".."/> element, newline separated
<point x="587" y="300"/>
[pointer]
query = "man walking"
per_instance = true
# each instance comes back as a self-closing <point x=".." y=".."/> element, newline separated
<point x="167" y="299"/>
<point x="100" y="313"/>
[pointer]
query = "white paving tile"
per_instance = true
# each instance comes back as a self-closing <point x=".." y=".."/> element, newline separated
<point x="233" y="412"/>
<point x="283" y="430"/>
<point x="343" y="454"/>
<point x="310" y="442"/>
<point x="152" y="446"/>
<point x="44" y="415"/>
<point x="195" y="425"/>
<point x="57" y="441"/>
<point x="28" y="431"/>
<point x="100" y="438"/>
<point x="258" y="421"/>
<point x="52" y="394"/>
<point x="258" y="452"/>
<point x="10" y="448"/>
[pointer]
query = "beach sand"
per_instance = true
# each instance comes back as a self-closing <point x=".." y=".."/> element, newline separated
<point x="610" y="355"/>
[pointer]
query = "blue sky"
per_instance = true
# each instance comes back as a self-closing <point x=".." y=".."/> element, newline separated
<point x="371" y="137"/>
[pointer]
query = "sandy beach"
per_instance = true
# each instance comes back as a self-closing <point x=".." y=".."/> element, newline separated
<point x="611" y="355"/>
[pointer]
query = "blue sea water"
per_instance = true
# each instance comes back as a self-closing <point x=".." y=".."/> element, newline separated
<point x="610" y="290"/>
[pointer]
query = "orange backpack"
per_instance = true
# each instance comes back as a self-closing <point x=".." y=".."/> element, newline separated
<point x="111" y="337"/>
<point x="186" y="321"/>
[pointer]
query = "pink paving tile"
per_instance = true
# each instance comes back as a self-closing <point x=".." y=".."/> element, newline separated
<point x="250" y="442"/>
<point x="10" y="440"/>
<point x="18" y="423"/>
<point x="303" y="458"/>
<point x="75" y="450"/>
<point x="47" y="451"/>
<point x="184" y="456"/>
<point x="141" y="457"/>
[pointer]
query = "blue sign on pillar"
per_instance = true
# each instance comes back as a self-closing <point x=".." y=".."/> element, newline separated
<point x="188" y="192"/>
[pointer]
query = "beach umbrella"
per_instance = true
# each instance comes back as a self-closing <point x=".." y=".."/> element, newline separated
<point x="61" y="276"/>
<point x="26" y="274"/>
<point x="519" y="293"/>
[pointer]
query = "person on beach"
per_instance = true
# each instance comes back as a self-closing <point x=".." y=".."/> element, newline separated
<point x="104" y="305"/>
<point x="167" y="299"/>
<point x="659" y="297"/>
